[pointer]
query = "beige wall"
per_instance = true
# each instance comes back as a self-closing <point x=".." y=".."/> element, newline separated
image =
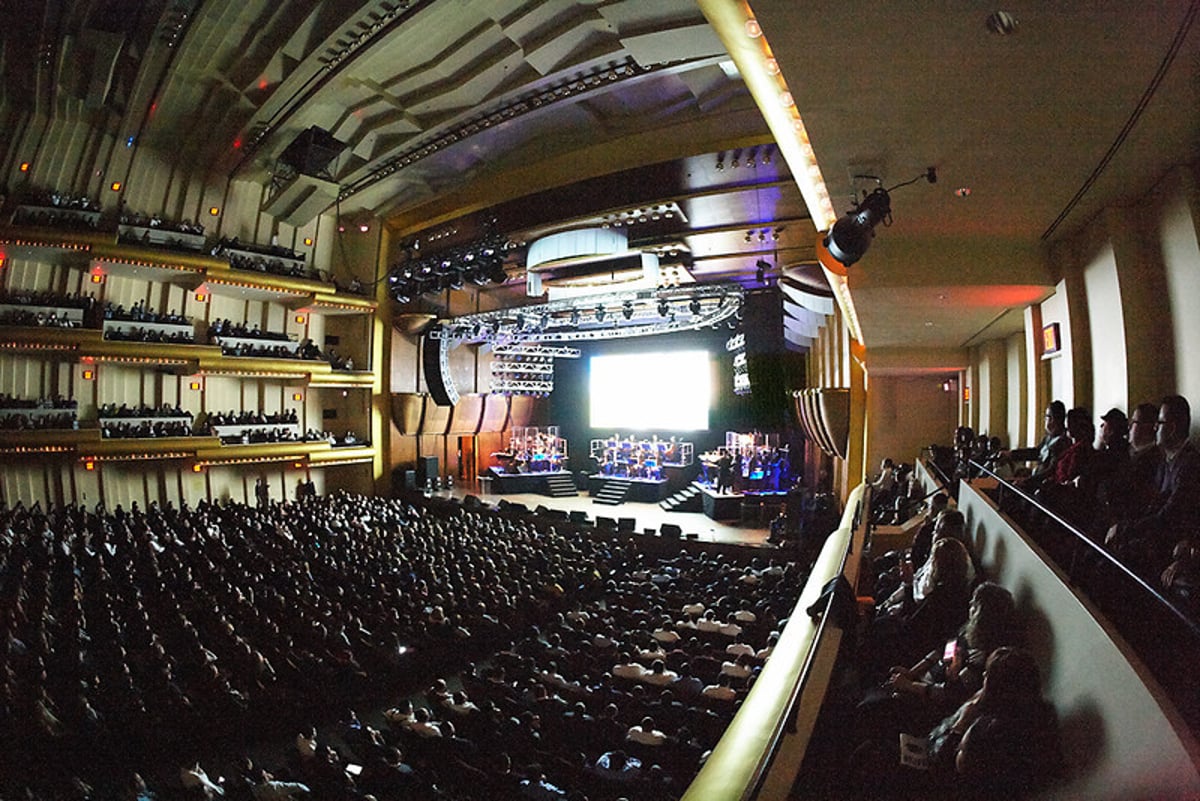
<point x="908" y="413"/>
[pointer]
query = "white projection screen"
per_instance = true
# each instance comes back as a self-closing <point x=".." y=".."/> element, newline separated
<point x="668" y="391"/>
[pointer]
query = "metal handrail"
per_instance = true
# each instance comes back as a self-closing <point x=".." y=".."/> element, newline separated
<point x="1112" y="560"/>
<point x="787" y="722"/>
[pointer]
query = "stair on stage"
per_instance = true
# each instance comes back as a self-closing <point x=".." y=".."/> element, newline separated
<point x="613" y="492"/>
<point x="687" y="499"/>
<point x="561" y="485"/>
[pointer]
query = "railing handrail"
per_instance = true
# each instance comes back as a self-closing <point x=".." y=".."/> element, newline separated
<point x="732" y="776"/>
<point x="1183" y="617"/>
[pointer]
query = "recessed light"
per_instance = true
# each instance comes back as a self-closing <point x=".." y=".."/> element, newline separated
<point x="963" y="191"/>
<point x="929" y="323"/>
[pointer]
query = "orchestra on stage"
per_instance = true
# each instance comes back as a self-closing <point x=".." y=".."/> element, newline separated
<point x="639" y="459"/>
<point x="532" y="450"/>
<point x="750" y="462"/>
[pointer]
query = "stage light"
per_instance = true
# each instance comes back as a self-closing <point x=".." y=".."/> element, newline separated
<point x="599" y="314"/>
<point x="575" y="316"/>
<point x="664" y="308"/>
<point x="850" y="236"/>
<point x="694" y="306"/>
<point x="627" y="310"/>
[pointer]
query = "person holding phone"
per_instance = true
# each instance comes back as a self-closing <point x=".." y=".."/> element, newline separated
<point x="916" y="697"/>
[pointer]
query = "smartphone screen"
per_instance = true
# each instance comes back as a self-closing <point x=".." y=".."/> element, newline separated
<point x="354" y="770"/>
<point x="951" y="651"/>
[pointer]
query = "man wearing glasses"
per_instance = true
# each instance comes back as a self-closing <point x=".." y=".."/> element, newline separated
<point x="1174" y="512"/>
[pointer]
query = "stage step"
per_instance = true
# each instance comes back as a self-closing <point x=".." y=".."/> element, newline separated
<point x="561" y="485"/>
<point x="613" y="492"/>
<point x="688" y="499"/>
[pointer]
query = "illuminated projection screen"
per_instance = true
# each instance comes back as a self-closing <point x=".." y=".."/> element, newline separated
<point x="651" y="391"/>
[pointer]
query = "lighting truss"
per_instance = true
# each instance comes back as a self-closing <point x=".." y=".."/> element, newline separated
<point x="534" y="349"/>
<point x="598" y="317"/>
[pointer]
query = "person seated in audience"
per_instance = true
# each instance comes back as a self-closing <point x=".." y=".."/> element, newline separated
<point x="1048" y="451"/>
<point x="913" y="698"/>
<point x="1146" y="542"/>
<point x="909" y="629"/>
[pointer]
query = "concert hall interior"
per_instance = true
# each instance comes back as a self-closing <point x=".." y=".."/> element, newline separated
<point x="456" y="327"/>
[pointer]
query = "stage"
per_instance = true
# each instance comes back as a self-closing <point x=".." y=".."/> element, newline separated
<point x="529" y="483"/>
<point x="695" y="525"/>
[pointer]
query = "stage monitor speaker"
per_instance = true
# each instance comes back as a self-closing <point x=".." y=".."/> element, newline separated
<point x="427" y="469"/>
<point x="472" y="502"/>
<point x="627" y="524"/>
<point x="540" y="510"/>
<point x="557" y="515"/>
<point x="578" y="517"/>
<point x="671" y="530"/>
<point x="693" y="536"/>
<point x="649" y="532"/>
<point x="606" y="523"/>
<point x="517" y="507"/>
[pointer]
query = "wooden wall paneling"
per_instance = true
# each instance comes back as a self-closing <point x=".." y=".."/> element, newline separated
<point x="495" y="413"/>
<point x="407" y="411"/>
<point x="467" y="414"/>
<point x="436" y="418"/>
<point x="521" y="411"/>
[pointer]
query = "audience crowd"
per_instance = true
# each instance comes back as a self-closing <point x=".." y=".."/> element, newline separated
<point x="41" y="318"/>
<point x="25" y="414"/>
<point x="45" y="207"/>
<point x="168" y="641"/>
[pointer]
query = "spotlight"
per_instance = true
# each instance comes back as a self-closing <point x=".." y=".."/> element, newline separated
<point x="599" y="314"/>
<point x="850" y="236"/>
<point x="694" y="306"/>
<point x="575" y="317"/>
<point x="520" y="321"/>
<point x="627" y="310"/>
<point x="663" y="308"/>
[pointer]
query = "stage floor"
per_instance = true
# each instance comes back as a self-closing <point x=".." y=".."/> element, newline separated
<point x="647" y="515"/>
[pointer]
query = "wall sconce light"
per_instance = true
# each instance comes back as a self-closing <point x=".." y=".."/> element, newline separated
<point x="115" y="186"/>
<point x="89" y="465"/>
<point x="194" y="386"/>
<point x="308" y="240"/>
<point x="197" y="468"/>
<point x="214" y="210"/>
<point x="89" y="375"/>
<point x="300" y="318"/>
<point x="201" y="297"/>
<point x="24" y="166"/>
<point x="298" y="465"/>
<point x="297" y="396"/>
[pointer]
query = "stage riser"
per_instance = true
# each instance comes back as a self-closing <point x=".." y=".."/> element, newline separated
<point x="639" y="491"/>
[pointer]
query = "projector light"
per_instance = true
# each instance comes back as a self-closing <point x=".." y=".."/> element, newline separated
<point x="850" y="236"/>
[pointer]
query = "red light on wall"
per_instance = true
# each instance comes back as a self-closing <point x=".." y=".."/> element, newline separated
<point x="89" y="375"/>
<point x="89" y="465"/>
<point x="237" y="143"/>
<point x="297" y="396"/>
<point x="24" y="166"/>
<point x="195" y="385"/>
